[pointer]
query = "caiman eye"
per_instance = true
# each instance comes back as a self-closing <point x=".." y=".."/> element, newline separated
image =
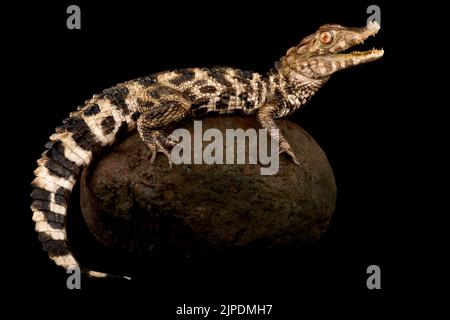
<point x="326" y="37"/>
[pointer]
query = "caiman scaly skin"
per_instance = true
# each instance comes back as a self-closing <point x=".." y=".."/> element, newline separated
<point x="151" y="103"/>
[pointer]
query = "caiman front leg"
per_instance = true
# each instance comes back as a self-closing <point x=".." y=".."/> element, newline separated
<point x="265" y="117"/>
<point x="151" y="125"/>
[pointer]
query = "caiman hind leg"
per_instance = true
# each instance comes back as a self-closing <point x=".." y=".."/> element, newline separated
<point x="151" y="125"/>
<point x="265" y="117"/>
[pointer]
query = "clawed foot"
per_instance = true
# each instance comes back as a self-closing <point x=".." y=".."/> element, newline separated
<point x="163" y="150"/>
<point x="160" y="144"/>
<point x="170" y="141"/>
<point x="286" y="148"/>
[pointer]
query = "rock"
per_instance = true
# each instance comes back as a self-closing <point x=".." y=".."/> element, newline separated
<point x="129" y="203"/>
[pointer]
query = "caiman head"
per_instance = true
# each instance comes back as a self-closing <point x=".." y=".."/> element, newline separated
<point x="325" y="51"/>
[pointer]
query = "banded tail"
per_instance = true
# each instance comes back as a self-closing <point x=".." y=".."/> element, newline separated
<point x="73" y="146"/>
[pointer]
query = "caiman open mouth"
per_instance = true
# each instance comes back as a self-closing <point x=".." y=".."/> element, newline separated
<point x="366" y="34"/>
<point x="355" y="51"/>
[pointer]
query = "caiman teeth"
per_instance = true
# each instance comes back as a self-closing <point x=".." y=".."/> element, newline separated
<point x="368" y="51"/>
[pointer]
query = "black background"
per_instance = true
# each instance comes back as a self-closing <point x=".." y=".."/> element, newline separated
<point x="351" y="118"/>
